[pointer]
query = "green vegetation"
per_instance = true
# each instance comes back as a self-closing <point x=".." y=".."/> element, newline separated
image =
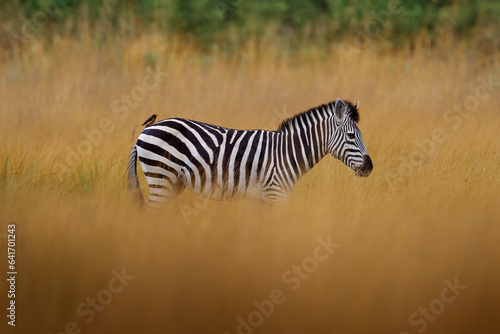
<point x="289" y="22"/>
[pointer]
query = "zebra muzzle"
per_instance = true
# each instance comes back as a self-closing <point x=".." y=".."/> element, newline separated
<point x="366" y="168"/>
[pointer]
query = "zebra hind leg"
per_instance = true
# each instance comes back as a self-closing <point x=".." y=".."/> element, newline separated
<point x="162" y="189"/>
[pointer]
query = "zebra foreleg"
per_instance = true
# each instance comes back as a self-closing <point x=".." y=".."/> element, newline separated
<point x="274" y="196"/>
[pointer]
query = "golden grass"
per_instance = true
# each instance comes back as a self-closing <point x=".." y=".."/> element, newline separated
<point x="419" y="219"/>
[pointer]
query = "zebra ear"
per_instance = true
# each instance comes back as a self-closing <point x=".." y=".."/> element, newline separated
<point x="357" y="105"/>
<point x="339" y="108"/>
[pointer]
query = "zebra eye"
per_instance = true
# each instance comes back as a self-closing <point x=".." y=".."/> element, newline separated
<point x="351" y="135"/>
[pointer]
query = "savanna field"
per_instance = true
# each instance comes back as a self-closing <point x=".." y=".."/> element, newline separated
<point x="412" y="248"/>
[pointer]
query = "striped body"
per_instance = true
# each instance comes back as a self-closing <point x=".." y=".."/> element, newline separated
<point x="221" y="163"/>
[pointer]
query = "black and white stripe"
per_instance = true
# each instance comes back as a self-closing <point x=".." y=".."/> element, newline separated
<point x="222" y="163"/>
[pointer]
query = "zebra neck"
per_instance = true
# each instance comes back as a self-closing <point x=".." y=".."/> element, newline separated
<point x="302" y="147"/>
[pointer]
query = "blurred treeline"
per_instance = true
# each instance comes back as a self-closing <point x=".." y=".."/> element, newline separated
<point x="396" y="23"/>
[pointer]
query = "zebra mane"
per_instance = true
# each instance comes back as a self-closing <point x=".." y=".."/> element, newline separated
<point x="351" y="111"/>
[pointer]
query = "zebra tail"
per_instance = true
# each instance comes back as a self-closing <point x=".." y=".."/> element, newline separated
<point x="133" y="181"/>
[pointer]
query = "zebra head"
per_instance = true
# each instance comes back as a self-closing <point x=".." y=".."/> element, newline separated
<point x="346" y="143"/>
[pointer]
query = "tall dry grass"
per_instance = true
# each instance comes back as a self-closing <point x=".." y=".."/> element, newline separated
<point x="428" y="213"/>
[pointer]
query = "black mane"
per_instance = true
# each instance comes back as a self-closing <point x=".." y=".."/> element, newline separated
<point x="352" y="112"/>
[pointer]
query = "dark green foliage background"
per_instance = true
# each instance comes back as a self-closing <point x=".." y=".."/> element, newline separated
<point x="219" y="21"/>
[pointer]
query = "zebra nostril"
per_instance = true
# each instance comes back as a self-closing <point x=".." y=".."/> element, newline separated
<point x="367" y="163"/>
<point x="366" y="168"/>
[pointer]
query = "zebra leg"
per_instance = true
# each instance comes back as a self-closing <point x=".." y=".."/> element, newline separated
<point x="162" y="188"/>
<point x="274" y="195"/>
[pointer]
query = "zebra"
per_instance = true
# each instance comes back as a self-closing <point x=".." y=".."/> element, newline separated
<point x="221" y="163"/>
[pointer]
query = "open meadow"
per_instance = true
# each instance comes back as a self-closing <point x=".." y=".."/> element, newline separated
<point x="412" y="248"/>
